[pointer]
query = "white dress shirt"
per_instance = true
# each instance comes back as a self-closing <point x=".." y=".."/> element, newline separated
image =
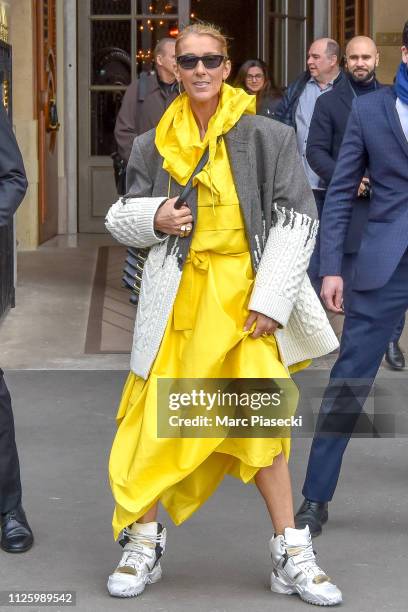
<point x="304" y="113"/>
<point x="402" y="110"/>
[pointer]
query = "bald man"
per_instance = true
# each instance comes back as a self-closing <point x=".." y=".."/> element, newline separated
<point x="325" y="137"/>
<point x="331" y="114"/>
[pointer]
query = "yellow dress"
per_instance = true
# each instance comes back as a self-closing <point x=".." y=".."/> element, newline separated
<point x="204" y="338"/>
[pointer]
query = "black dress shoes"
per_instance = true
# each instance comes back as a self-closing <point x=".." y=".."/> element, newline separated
<point x="314" y="514"/>
<point x="16" y="535"/>
<point x="394" y="356"/>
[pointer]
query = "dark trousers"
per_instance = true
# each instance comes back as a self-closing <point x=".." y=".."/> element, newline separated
<point x="347" y="274"/>
<point x="314" y="263"/>
<point x="10" y="485"/>
<point x="371" y="317"/>
<point x="398" y="329"/>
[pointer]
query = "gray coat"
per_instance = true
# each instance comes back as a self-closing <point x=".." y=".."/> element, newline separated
<point x="280" y="222"/>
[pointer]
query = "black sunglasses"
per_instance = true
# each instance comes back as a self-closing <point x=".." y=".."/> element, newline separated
<point x="189" y="62"/>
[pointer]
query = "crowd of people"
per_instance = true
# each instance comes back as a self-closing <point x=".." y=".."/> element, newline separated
<point x="339" y="165"/>
<point x="298" y="201"/>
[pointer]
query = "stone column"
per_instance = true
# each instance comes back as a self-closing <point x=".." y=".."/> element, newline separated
<point x="387" y="26"/>
<point x="70" y="113"/>
<point x="22" y="41"/>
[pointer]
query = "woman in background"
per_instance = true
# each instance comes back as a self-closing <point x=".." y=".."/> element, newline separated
<point x="253" y="77"/>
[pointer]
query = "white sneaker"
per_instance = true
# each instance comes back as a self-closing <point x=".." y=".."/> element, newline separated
<point x="140" y="562"/>
<point x="295" y="569"/>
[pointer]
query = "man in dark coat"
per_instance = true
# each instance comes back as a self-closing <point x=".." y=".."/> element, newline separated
<point x="16" y="535"/>
<point x="323" y="75"/>
<point x="376" y="140"/>
<point x="147" y="98"/>
<point x="326" y="134"/>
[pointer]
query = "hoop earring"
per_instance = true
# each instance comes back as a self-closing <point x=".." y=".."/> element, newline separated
<point x="180" y="88"/>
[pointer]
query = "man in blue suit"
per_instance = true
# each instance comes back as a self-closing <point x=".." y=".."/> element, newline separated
<point x="376" y="139"/>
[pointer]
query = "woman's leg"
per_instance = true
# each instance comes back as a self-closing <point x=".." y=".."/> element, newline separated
<point x="294" y="567"/>
<point x="144" y="545"/>
<point x="151" y="515"/>
<point x="274" y="484"/>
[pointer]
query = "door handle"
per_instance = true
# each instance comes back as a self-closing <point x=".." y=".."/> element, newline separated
<point x="53" y="124"/>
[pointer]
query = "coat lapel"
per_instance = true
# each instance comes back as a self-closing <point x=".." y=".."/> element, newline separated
<point x="394" y="120"/>
<point x="346" y="94"/>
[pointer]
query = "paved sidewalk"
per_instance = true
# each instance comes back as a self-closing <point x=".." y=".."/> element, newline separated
<point x="218" y="560"/>
<point x="47" y="329"/>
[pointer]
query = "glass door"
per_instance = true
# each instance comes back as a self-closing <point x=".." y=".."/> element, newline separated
<point x="116" y="39"/>
<point x="238" y="20"/>
<point x="289" y="25"/>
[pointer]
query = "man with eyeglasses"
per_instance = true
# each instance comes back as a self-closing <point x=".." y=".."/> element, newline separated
<point x="296" y="109"/>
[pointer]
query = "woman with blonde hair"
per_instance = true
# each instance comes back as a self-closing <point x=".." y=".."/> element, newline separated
<point x="224" y="295"/>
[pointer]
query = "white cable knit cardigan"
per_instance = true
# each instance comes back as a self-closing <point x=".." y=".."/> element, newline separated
<point x="280" y="254"/>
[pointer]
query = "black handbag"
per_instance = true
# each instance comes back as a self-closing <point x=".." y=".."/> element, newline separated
<point x="119" y="169"/>
<point x="136" y="258"/>
<point x="133" y="270"/>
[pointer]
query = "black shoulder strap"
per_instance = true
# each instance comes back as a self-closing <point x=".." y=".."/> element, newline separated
<point x="189" y="186"/>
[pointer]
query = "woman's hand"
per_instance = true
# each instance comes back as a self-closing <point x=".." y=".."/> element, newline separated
<point x="265" y="326"/>
<point x="170" y="220"/>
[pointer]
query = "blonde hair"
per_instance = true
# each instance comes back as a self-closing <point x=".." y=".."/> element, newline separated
<point x="203" y="29"/>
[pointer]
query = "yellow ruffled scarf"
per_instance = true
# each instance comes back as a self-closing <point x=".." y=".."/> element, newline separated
<point x="178" y="137"/>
